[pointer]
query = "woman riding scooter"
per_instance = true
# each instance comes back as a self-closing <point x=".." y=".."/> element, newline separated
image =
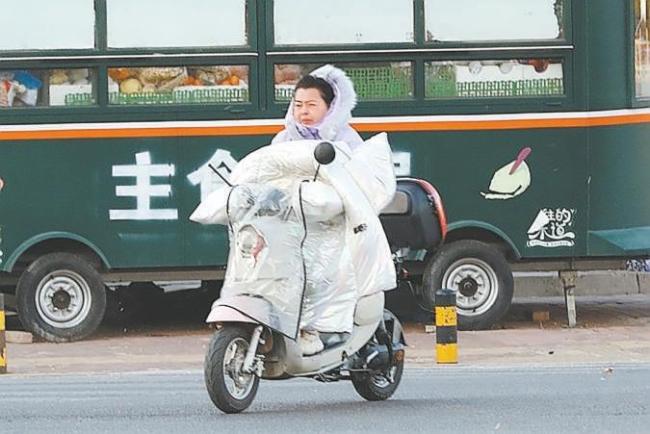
<point x="321" y="110"/>
<point x="307" y="252"/>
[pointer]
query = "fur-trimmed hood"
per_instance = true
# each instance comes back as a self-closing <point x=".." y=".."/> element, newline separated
<point x="340" y="113"/>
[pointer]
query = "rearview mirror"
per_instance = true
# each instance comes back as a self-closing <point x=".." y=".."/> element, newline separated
<point x="324" y="153"/>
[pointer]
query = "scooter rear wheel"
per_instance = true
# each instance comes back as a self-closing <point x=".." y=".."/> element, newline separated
<point x="376" y="387"/>
<point x="230" y="389"/>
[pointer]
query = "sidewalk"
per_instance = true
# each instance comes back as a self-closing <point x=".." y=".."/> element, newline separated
<point x="610" y="330"/>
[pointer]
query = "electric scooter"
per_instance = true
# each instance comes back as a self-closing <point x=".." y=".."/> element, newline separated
<point x="253" y="342"/>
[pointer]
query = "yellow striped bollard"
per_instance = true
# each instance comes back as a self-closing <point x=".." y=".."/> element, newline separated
<point x="3" y="341"/>
<point x="446" y="327"/>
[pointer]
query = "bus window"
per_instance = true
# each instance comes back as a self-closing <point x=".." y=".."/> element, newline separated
<point x="43" y="25"/>
<point x="494" y="78"/>
<point x="642" y="48"/>
<point x="314" y="22"/>
<point x="47" y="87"/>
<point x="372" y="81"/>
<point x="178" y="85"/>
<point x="169" y="23"/>
<point x="493" y="20"/>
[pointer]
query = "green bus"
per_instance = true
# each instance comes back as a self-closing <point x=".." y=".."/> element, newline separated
<point x="532" y="117"/>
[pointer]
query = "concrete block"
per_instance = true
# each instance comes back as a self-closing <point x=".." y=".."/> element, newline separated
<point x="614" y="282"/>
<point x="644" y="283"/>
<point x="537" y="284"/>
<point x="16" y="337"/>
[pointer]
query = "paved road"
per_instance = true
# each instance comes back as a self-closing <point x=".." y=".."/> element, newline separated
<point x="450" y="399"/>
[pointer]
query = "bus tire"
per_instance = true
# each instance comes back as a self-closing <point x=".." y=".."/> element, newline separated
<point x="481" y="276"/>
<point x="61" y="297"/>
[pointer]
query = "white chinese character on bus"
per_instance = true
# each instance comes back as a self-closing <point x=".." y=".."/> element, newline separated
<point x="223" y="162"/>
<point x="143" y="190"/>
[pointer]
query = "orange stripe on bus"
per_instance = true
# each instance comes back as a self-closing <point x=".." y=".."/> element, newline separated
<point x="254" y="130"/>
<point x="506" y="124"/>
<point x="117" y="133"/>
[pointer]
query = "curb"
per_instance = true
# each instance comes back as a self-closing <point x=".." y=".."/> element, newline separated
<point x="16" y="337"/>
<point x="588" y="283"/>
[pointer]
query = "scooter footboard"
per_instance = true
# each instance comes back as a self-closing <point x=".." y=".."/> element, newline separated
<point x="298" y="365"/>
<point x="368" y="314"/>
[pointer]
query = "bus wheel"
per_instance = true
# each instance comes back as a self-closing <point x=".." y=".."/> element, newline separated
<point x="61" y="297"/>
<point x="481" y="277"/>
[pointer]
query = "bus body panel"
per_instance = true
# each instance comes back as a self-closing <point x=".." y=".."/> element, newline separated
<point x="73" y="187"/>
<point x="620" y="210"/>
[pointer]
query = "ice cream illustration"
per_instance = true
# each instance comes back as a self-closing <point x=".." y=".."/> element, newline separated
<point x="511" y="180"/>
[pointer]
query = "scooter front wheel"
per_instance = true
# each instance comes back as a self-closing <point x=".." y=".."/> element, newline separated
<point x="231" y="389"/>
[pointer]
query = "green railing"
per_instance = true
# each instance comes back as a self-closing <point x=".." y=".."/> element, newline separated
<point x="371" y="84"/>
<point x="79" y="99"/>
<point x="223" y="95"/>
<point x="494" y="89"/>
<point x="381" y="83"/>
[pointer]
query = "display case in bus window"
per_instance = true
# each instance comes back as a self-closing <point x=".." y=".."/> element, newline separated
<point x="642" y="48"/>
<point x="47" y="88"/>
<point x="211" y="84"/>
<point x="378" y="81"/>
<point x="494" y="20"/>
<point x="342" y="22"/>
<point x="174" y="24"/>
<point x="505" y="78"/>
<point x="47" y="25"/>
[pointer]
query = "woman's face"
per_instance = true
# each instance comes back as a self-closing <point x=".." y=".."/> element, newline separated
<point x="309" y="107"/>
